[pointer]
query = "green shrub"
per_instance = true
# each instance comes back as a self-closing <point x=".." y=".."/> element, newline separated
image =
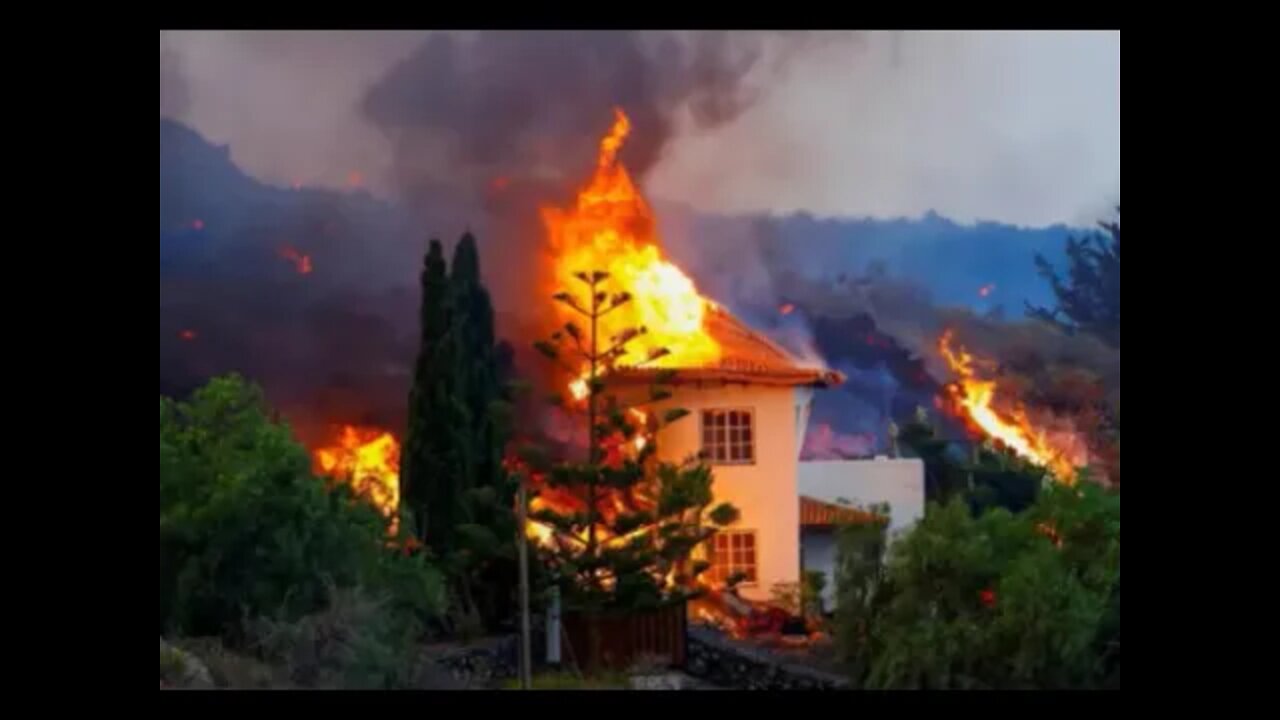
<point x="996" y="601"/>
<point x="353" y="643"/>
<point x="246" y="529"/>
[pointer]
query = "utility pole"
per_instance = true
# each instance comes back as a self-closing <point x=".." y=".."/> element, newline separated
<point x="522" y="543"/>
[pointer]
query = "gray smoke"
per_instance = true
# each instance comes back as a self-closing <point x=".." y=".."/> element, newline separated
<point x="488" y="127"/>
<point x="175" y="97"/>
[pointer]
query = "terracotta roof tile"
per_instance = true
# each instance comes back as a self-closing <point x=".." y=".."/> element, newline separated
<point x="818" y="513"/>
<point x="745" y="356"/>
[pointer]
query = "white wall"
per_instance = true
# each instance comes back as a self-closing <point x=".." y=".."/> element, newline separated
<point x="765" y="492"/>
<point x="898" y="482"/>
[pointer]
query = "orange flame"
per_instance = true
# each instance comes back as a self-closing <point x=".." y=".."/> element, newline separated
<point x="355" y="179"/>
<point x="300" y="261"/>
<point x="976" y="396"/>
<point x="611" y="228"/>
<point x="786" y="308"/>
<point x="369" y="460"/>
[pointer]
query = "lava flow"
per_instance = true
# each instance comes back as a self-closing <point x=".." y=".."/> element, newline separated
<point x="975" y="398"/>
<point x="611" y="228"/>
<point x="369" y="460"/>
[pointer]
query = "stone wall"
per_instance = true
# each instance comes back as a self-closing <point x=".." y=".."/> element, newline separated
<point x="484" y="662"/>
<point x="717" y="660"/>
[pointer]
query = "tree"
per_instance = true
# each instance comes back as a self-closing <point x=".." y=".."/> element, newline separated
<point x="458" y="425"/>
<point x="246" y="528"/>
<point x="620" y="526"/>
<point x="478" y="373"/>
<point x="997" y="600"/>
<point x="430" y="501"/>
<point x="984" y="477"/>
<point x="1089" y="296"/>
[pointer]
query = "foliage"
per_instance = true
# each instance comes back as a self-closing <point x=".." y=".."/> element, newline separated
<point x="245" y="528"/>
<point x="983" y="478"/>
<point x="993" y="601"/>
<point x="571" y="681"/>
<point x="624" y="525"/>
<point x="455" y="488"/>
<point x="355" y="642"/>
<point x="1089" y="296"/>
<point x="861" y="590"/>
<point x="432" y="504"/>
<point x="231" y="669"/>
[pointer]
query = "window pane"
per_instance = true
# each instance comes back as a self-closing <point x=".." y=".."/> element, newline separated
<point x="749" y="540"/>
<point x="737" y="539"/>
<point x="720" y="436"/>
<point x="720" y="452"/>
<point x="735" y="452"/>
<point x="735" y="435"/>
<point x="747" y="454"/>
<point x="746" y="434"/>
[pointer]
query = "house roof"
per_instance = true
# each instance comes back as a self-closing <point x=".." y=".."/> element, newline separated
<point x="816" y="513"/>
<point x="746" y="356"/>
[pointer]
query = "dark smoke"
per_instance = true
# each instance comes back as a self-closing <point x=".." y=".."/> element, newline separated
<point x="512" y="121"/>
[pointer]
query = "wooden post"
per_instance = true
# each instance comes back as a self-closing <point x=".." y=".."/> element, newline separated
<point x="522" y="543"/>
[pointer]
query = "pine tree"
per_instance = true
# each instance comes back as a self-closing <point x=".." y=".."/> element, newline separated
<point x="1089" y="297"/>
<point x="622" y="526"/>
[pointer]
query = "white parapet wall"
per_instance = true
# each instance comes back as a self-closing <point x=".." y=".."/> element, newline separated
<point x="899" y="482"/>
<point x="896" y="481"/>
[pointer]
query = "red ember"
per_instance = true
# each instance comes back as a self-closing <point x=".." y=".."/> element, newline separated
<point x="301" y="262"/>
<point x="197" y="224"/>
<point x="187" y="335"/>
<point x="787" y="309"/>
<point x="987" y="289"/>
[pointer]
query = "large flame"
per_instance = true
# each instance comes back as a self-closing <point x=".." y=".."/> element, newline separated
<point x="369" y="460"/>
<point x="975" y="398"/>
<point x="611" y="228"/>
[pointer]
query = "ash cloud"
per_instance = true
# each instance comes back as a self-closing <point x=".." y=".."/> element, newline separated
<point x="502" y="123"/>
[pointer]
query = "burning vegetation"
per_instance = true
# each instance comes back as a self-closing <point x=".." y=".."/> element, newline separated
<point x="976" y="400"/>
<point x="368" y="459"/>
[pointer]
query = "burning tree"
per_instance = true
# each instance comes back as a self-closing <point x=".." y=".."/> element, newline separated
<point x="619" y="530"/>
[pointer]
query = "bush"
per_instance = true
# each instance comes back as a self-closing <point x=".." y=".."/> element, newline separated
<point x="246" y="529"/>
<point x="353" y="643"/>
<point x="996" y="601"/>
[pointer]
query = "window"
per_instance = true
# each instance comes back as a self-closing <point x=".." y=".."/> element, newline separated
<point x="728" y="437"/>
<point x="733" y="551"/>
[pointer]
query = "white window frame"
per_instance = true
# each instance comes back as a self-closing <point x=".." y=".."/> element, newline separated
<point x="732" y="567"/>
<point x="728" y="443"/>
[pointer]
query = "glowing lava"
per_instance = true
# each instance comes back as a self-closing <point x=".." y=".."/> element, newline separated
<point x="368" y="459"/>
<point x="301" y="262"/>
<point x="611" y="228"/>
<point x="1013" y="429"/>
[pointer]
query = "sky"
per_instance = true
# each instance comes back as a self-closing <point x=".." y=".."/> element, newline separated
<point x="1018" y="127"/>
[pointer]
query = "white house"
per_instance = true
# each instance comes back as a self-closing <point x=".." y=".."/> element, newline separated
<point x="749" y="412"/>
<point x="827" y="486"/>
